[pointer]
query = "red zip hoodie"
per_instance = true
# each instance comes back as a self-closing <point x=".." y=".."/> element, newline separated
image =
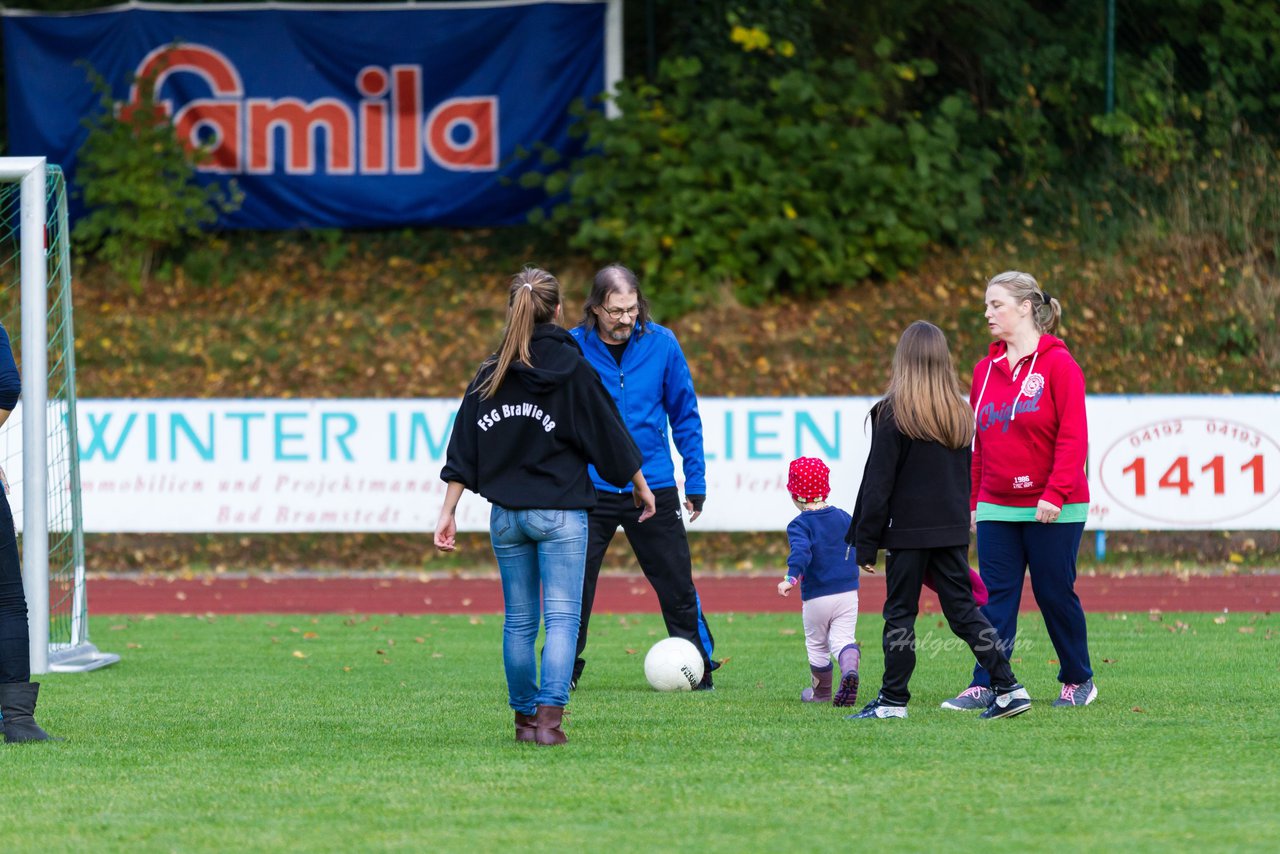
<point x="1032" y="438"/>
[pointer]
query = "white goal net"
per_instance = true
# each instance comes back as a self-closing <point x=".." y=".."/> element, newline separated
<point x="38" y="444"/>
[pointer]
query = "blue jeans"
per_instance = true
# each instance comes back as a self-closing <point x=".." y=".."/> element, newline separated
<point x="541" y="556"/>
<point x="1006" y="551"/>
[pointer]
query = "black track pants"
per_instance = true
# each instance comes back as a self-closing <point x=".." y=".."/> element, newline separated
<point x="662" y="550"/>
<point x="904" y="576"/>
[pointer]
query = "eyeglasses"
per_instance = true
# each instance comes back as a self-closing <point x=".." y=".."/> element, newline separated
<point x="619" y="313"/>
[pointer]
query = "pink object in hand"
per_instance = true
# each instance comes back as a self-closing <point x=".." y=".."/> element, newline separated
<point x="980" y="595"/>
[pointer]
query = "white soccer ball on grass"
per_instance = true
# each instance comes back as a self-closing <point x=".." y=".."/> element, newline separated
<point x="673" y="664"/>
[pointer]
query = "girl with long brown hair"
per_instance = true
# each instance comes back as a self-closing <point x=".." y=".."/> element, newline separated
<point x="914" y="504"/>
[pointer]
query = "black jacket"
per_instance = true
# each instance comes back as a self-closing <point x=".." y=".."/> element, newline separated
<point x="914" y="495"/>
<point x="528" y="446"/>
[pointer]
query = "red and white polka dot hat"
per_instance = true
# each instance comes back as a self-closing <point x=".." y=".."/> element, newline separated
<point x="808" y="479"/>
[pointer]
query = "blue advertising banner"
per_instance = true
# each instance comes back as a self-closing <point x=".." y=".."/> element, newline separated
<point x="368" y="115"/>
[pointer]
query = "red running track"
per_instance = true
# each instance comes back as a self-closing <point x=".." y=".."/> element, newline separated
<point x="368" y="594"/>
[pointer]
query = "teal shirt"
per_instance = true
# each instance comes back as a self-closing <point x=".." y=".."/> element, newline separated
<point x="998" y="513"/>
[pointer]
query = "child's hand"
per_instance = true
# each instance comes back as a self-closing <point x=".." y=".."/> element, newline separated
<point x="869" y="568"/>
<point x="784" y="587"/>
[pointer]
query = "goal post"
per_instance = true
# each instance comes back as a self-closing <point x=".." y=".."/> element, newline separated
<point x="35" y="259"/>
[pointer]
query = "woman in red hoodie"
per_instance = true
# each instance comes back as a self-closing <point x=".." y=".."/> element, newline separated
<point x="1029" y="495"/>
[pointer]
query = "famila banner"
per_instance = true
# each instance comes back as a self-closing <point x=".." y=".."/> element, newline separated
<point x="357" y="115"/>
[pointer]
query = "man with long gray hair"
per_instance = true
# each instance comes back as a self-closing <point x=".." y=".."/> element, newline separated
<point x="643" y="367"/>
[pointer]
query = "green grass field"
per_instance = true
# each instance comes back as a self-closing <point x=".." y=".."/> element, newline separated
<point x="334" y="733"/>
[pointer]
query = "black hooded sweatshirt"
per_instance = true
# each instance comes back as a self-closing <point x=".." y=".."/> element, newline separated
<point x="914" y="494"/>
<point x="528" y="446"/>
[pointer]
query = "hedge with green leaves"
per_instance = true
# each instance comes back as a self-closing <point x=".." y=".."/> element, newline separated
<point x="825" y="179"/>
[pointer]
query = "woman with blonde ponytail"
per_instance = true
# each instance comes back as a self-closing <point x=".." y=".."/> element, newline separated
<point x="532" y="419"/>
<point x="1030" y="495"/>
<point x="534" y="299"/>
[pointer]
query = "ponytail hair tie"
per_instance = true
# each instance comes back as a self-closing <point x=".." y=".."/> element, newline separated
<point x="1045" y="295"/>
<point x="527" y="285"/>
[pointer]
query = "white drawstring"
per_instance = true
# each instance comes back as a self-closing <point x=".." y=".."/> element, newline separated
<point x="1030" y="371"/>
<point x="983" y="390"/>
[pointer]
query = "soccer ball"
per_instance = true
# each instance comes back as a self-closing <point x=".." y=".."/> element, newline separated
<point x="673" y="664"/>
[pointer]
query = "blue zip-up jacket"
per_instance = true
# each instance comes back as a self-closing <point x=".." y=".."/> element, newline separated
<point x="652" y="388"/>
<point x="819" y="557"/>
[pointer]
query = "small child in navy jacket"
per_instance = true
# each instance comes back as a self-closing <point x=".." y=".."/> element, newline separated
<point x="820" y="563"/>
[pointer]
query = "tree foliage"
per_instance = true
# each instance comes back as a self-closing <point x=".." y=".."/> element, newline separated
<point x="820" y="176"/>
<point x="798" y="145"/>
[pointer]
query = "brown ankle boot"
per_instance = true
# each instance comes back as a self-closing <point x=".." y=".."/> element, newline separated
<point x="548" y="725"/>
<point x="526" y="727"/>
<point x="821" y="690"/>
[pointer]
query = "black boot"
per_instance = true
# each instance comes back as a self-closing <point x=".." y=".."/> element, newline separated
<point x="18" y="706"/>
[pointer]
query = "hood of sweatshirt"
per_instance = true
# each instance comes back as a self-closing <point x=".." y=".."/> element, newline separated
<point x="1047" y="343"/>
<point x="554" y="356"/>
<point x="997" y="362"/>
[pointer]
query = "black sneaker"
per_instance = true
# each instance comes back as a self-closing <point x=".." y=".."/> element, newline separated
<point x="878" y="709"/>
<point x="705" y="684"/>
<point x="1010" y="703"/>
<point x="577" y="674"/>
